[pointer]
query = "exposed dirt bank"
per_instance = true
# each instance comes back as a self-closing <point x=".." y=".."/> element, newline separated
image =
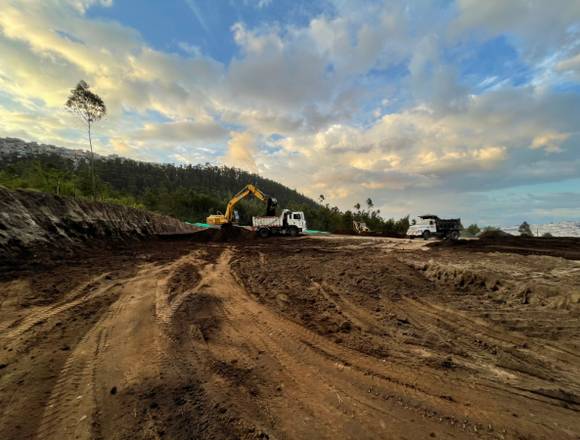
<point x="291" y="339"/>
<point x="564" y="247"/>
<point x="35" y="222"/>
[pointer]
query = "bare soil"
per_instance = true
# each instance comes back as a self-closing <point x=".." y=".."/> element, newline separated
<point x="564" y="247"/>
<point x="331" y="337"/>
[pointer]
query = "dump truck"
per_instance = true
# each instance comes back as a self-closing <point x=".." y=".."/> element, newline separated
<point x="290" y="223"/>
<point x="428" y="226"/>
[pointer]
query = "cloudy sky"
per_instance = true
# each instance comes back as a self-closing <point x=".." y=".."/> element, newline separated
<point x="462" y="108"/>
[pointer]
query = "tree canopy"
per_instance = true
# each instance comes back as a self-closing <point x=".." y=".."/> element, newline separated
<point x="87" y="105"/>
<point x="525" y="230"/>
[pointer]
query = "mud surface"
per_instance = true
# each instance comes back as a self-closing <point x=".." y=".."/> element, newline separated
<point x="291" y="339"/>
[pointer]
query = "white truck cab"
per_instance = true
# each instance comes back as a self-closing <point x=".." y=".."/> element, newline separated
<point x="296" y="219"/>
<point x="421" y="225"/>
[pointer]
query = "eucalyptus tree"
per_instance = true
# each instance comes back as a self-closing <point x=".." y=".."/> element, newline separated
<point x="90" y="108"/>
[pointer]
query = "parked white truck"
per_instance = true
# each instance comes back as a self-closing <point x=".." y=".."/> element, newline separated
<point x="289" y="223"/>
<point x="428" y="226"/>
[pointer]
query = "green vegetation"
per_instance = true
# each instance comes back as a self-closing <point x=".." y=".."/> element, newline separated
<point x="189" y="192"/>
<point x="525" y="230"/>
<point x="472" y="230"/>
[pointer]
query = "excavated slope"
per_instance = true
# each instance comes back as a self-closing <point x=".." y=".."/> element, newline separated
<point x="34" y="221"/>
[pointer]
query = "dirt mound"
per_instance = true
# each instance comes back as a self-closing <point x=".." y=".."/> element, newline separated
<point x="222" y="234"/>
<point x="234" y="233"/>
<point x="494" y="233"/>
<point x="32" y="222"/>
<point x="369" y="234"/>
<point x="564" y="247"/>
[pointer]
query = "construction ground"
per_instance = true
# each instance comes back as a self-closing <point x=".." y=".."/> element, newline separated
<point x="314" y="337"/>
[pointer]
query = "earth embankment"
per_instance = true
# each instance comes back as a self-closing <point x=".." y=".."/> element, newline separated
<point x="33" y="222"/>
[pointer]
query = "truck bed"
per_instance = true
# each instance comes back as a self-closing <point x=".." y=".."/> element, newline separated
<point x="266" y="221"/>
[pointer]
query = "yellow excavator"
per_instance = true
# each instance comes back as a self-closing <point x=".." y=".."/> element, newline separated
<point x="226" y="219"/>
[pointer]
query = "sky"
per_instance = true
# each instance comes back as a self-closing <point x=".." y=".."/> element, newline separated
<point x="461" y="108"/>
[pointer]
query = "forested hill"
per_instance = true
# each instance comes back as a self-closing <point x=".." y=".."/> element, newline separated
<point x="186" y="191"/>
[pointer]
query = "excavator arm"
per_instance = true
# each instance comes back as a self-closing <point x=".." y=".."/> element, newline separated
<point x="221" y="219"/>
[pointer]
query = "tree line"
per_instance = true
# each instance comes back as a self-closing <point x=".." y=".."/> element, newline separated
<point x="187" y="192"/>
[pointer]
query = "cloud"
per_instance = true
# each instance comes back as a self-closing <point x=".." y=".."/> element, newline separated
<point x="276" y="74"/>
<point x="181" y="132"/>
<point x="571" y="65"/>
<point x="193" y="6"/>
<point x="549" y="141"/>
<point x="484" y="147"/>
<point x="242" y="148"/>
<point x="540" y="26"/>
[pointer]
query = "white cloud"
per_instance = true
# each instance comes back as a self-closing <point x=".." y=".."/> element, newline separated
<point x="193" y="6"/>
<point x="541" y="25"/>
<point x="549" y="141"/>
<point x="571" y="65"/>
<point x="242" y="148"/>
<point x="180" y="132"/>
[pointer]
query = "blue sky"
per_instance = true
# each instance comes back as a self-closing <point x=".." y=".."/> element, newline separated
<point x="205" y="25"/>
<point x="460" y="107"/>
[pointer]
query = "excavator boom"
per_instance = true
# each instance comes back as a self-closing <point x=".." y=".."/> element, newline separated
<point x="222" y="219"/>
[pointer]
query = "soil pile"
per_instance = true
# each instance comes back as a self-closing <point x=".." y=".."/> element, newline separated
<point x="225" y="233"/>
<point x="33" y="221"/>
<point x="564" y="247"/>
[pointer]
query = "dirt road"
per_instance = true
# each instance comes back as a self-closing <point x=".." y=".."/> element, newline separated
<point x="292" y="339"/>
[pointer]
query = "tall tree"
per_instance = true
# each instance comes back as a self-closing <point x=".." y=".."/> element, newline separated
<point x="370" y="203"/>
<point x="473" y="229"/>
<point x="90" y="108"/>
<point x="525" y="230"/>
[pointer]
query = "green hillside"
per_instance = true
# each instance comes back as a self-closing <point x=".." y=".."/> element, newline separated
<point x="188" y="192"/>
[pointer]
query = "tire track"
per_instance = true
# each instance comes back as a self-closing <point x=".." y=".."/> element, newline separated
<point x="313" y="362"/>
<point x="72" y="409"/>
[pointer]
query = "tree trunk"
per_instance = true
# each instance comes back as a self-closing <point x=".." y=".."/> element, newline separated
<point x="92" y="164"/>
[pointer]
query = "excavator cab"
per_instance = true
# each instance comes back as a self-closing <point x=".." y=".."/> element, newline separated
<point x="271" y="205"/>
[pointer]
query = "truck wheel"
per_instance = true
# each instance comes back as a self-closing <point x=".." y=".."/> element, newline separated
<point x="426" y="235"/>
<point x="454" y="235"/>
<point x="263" y="233"/>
<point x="293" y="232"/>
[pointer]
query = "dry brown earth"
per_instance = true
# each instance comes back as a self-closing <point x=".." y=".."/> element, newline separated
<point x="330" y="338"/>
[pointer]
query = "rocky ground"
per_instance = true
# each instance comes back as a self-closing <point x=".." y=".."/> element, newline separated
<point x="334" y="338"/>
